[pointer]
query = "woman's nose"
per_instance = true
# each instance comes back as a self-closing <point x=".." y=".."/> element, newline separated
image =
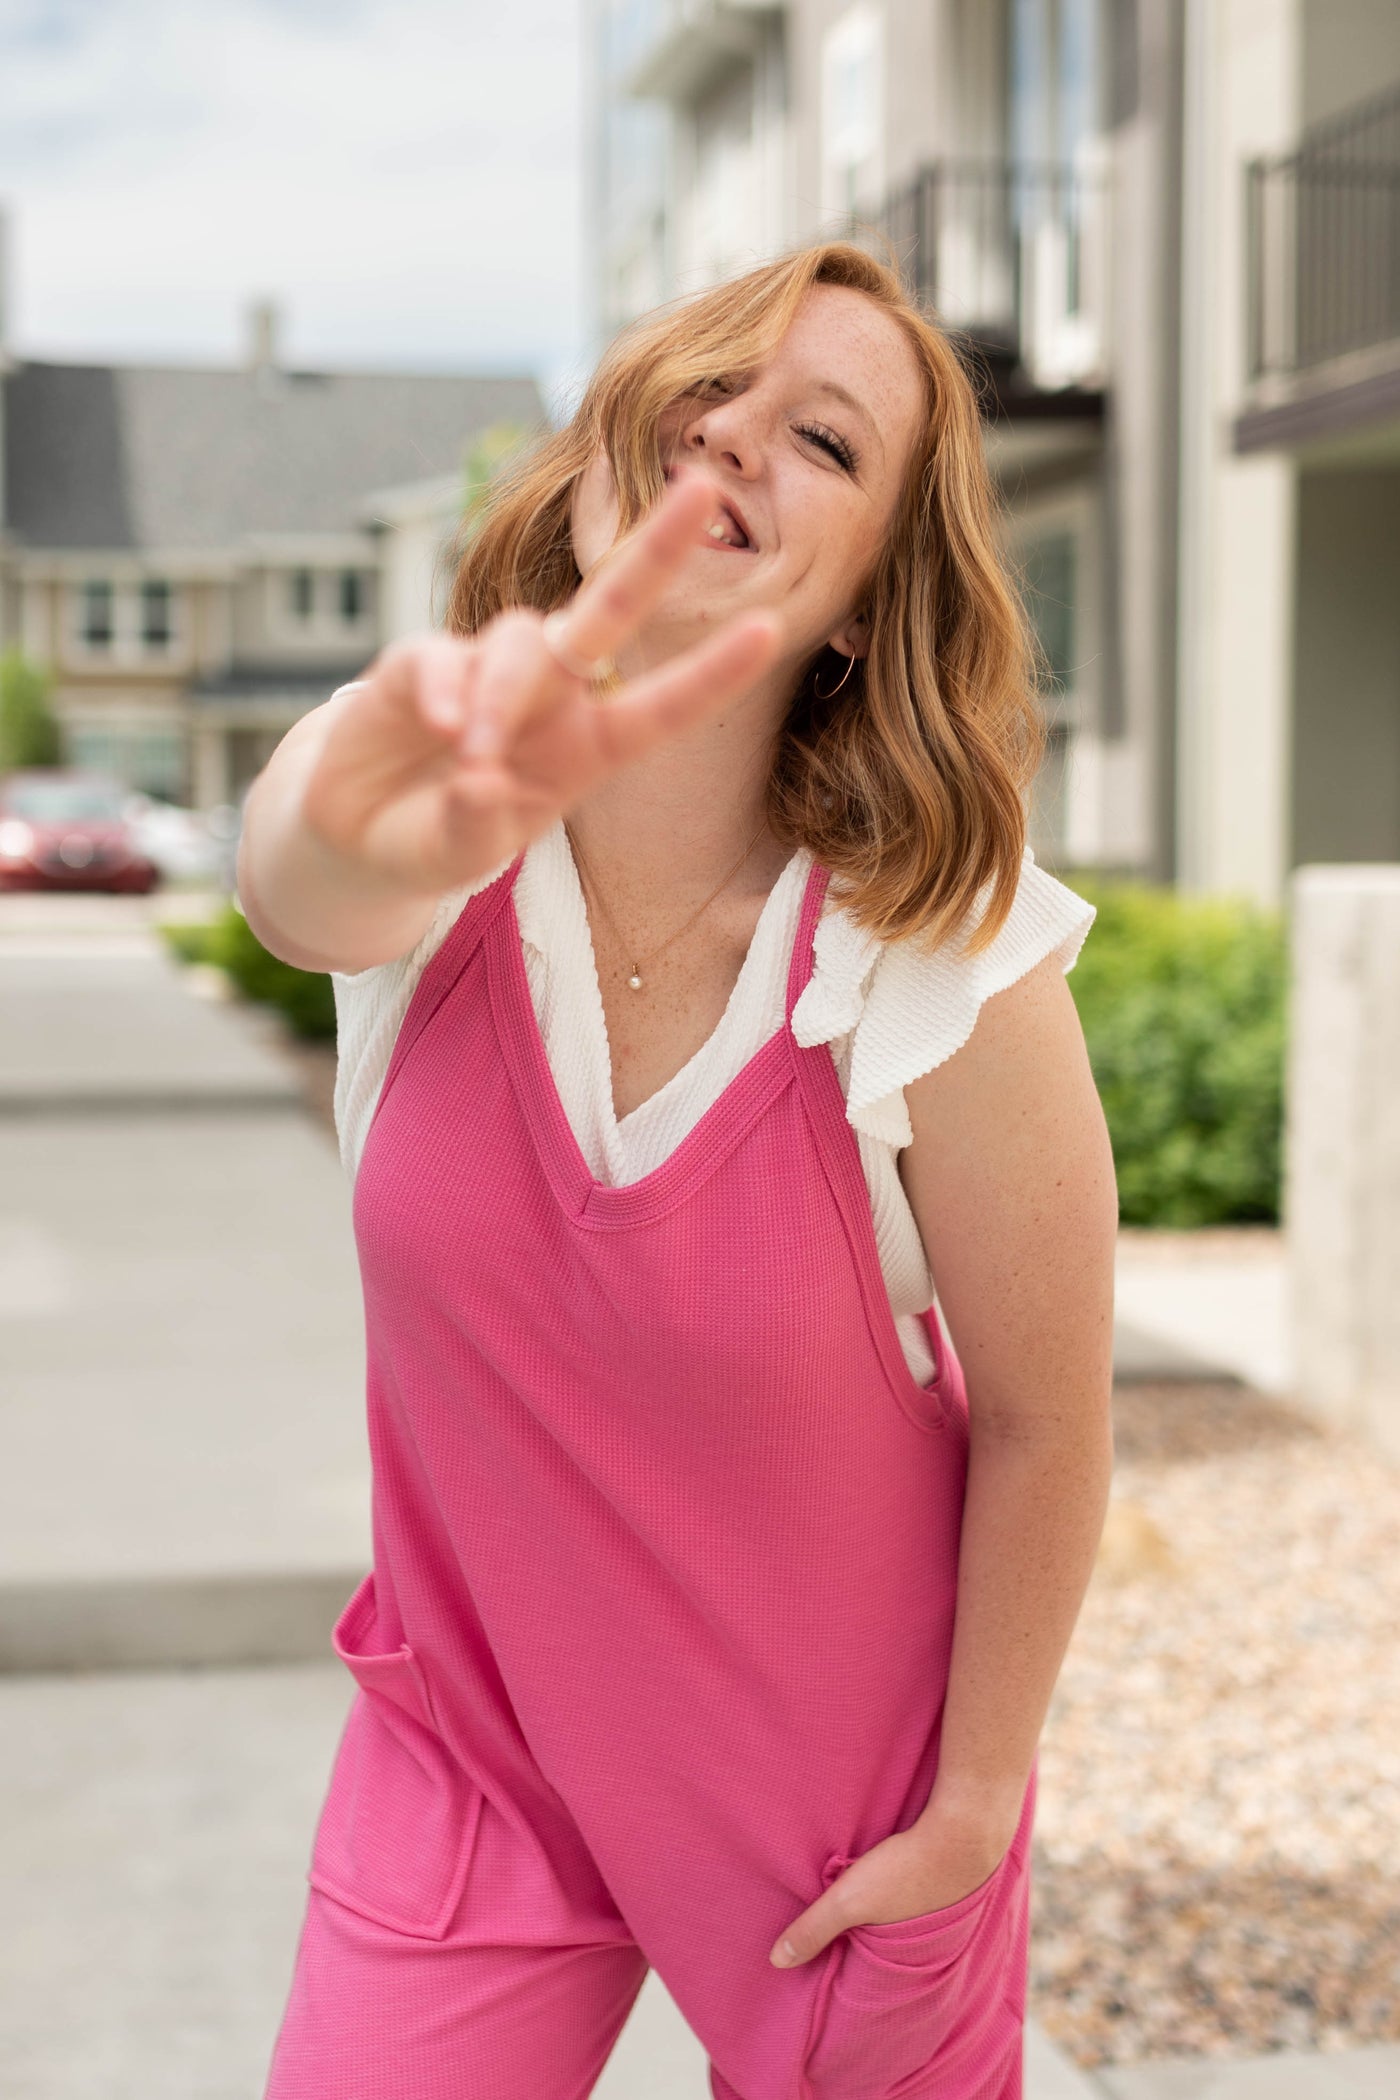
<point x="722" y="434"/>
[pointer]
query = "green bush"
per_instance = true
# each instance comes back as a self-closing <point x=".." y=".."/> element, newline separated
<point x="29" y="732"/>
<point x="304" y="996"/>
<point x="1183" y="1002"/>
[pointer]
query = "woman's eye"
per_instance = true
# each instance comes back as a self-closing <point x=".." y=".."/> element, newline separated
<point x="830" y="441"/>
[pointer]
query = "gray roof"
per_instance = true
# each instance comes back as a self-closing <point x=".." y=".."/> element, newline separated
<point x="261" y="681"/>
<point x="112" y="456"/>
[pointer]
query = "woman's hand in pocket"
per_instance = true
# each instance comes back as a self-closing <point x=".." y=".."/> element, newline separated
<point x="931" y="1866"/>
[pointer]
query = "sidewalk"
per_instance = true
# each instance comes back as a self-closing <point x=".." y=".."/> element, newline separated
<point x="1204" y="1305"/>
<point x="186" y="1476"/>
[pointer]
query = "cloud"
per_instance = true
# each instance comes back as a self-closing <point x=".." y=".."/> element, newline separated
<point x="404" y="175"/>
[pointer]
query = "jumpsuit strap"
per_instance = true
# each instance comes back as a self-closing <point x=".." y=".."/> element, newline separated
<point x="801" y="961"/>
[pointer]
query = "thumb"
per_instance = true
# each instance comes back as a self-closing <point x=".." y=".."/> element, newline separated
<point x="808" y="1934"/>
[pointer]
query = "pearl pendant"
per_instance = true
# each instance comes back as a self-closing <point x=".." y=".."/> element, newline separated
<point x="634" y="982"/>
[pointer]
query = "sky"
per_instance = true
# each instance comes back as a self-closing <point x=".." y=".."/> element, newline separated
<point x="404" y="178"/>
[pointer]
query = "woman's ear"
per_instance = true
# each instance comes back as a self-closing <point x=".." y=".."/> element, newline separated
<point x="852" y="637"/>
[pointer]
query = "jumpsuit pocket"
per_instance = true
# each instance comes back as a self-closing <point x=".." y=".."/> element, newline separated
<point x="920" y="1999"/>
<point x="396" y="1831"/>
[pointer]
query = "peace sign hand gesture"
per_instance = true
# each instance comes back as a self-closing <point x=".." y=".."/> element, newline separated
<point x="451" y="754"/>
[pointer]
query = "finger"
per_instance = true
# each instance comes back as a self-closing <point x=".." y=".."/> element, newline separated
<point x="514" y="673"/>
<point x="426" y="677"/>
<point x="616" y="595"/>
<point x="816" y="1928"/>
<point x="688" y="688"/>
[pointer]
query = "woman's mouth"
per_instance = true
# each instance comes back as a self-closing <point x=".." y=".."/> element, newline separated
<point x="727" y="529"/>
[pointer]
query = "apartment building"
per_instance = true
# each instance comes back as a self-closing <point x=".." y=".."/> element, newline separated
<point x="1119" y="204"/>
<point x="199" y="555"/>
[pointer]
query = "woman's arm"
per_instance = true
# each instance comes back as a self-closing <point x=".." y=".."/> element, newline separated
<point x="315" y="907"/>
<point x="1010" y="1178"/>
<point x="1011" y="1181"/>
<point x="451" y="754"/>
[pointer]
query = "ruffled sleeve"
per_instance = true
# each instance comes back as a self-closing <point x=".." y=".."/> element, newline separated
<point x="892" y="1011"/>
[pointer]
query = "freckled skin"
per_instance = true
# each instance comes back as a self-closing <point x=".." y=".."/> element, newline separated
<point x="817" y="528"/>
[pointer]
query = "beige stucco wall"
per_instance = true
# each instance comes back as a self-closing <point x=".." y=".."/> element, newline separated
<point x="1287" y="730"/>
<point x="267" y="631"/>
<point x="1235" y="630"/>
<point x="1346" y="752"/>
<point x="1342" y="1151"/>
<point x="1351" y="49"/>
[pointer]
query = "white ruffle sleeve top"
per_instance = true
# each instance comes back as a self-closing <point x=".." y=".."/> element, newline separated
<point x="887" y="1012"/>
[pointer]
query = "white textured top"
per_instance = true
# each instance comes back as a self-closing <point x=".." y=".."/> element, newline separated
<point x="888" y="1012"/>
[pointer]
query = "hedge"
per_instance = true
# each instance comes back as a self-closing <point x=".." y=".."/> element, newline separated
<point x="304" y="996"/>
<point x="1183" y="1005"/>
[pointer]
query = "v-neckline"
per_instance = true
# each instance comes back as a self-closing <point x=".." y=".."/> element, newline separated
<point x="596" y="1019"/>
<point x="745" y="1096"/>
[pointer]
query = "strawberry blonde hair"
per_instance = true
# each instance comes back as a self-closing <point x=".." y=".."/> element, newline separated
<point x="911" y="784"/>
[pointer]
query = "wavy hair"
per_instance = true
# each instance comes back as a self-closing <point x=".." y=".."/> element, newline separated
<point x="912" y="783"/>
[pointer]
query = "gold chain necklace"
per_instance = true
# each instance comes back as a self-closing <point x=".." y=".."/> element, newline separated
<point x="634" y="982"/>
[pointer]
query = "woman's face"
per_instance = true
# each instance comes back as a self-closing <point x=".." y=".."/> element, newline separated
<point x="808" y="456"/>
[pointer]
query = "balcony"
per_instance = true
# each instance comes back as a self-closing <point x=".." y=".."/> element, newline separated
<point x="695" y="43"/>
<point x="1322" y="292"/>
<point x="1013" y="257"/>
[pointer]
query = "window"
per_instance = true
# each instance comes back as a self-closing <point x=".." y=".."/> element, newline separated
<point x="303" y="593"/>
<point x="152" y="760"/>
<point x="1051" y="584"/>
<point x="352" y="597"/>
<point x="155" y="614"/>
<point x="97" y="615"/>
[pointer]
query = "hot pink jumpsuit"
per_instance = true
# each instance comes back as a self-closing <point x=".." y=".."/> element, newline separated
<point x="657" y="1632"/>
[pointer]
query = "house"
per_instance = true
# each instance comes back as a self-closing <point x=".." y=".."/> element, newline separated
<point x="198" y="556"/>
<point x="1166" y="235"/>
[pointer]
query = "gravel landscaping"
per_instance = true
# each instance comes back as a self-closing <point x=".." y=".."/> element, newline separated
<point x="1216" y="1866"/>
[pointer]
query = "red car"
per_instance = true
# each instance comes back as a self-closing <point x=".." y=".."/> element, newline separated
<point x="66" y="831"/>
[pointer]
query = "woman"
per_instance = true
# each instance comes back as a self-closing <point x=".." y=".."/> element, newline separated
<point x="715" y="1612"/>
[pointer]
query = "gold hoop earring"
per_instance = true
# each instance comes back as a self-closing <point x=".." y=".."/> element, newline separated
<point x="850" y="666"/>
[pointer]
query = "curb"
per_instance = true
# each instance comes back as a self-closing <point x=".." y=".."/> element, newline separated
<point x="135" y="1622"/>
<point x="1050" y="2074"/>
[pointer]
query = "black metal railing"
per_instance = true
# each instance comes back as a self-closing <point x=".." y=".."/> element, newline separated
<point x="1322" y="242"/>
<point x="1013" y="254"/>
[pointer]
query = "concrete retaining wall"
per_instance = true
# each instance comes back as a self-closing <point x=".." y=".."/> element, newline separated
<point x="1342" y="1160"/>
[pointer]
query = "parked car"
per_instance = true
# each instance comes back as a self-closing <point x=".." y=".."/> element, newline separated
<point x="187" y="845"/>
<point x="65" y="830"/>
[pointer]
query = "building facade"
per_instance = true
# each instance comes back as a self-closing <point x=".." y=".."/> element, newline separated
<point x="198" y="556"/>
<point x="1076" y="186"/>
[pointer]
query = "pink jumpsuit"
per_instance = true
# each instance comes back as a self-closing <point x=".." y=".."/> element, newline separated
<point x="657" y="1632"/>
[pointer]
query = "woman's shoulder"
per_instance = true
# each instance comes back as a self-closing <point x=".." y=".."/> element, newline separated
<point x="380" y="979"/>
<point x="905" y="1008"/>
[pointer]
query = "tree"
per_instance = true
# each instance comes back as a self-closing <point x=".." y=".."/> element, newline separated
<point x="29" y="731"/>
<point x="494" y="450"/>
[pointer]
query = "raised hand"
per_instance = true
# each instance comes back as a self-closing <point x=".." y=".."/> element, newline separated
<point x="453" y="754"/>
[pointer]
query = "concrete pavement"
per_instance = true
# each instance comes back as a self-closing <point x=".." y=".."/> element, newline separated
<point x="1346" y="2074"/>
<point x="1210" y="1315"/>
<point x="187" y="1473"/>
